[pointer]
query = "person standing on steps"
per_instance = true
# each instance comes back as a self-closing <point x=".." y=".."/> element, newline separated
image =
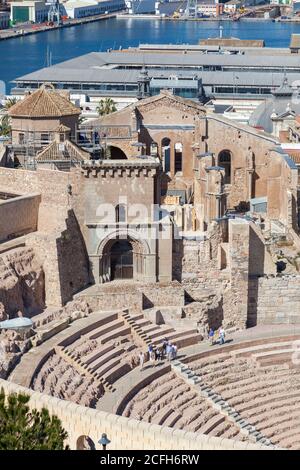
<point x="141" y="358"/>
<point x="222" y="335"/>
<point x="211" y="335"/>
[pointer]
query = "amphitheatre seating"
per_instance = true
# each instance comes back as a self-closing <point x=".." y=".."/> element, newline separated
<point x="169" y="401"/>
<point x="260" y="383"/>
<point x="59" y="378"/>
<point x="102" y="352"/>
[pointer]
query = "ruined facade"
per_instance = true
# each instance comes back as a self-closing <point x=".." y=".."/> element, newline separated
<point x="173" y="195"/>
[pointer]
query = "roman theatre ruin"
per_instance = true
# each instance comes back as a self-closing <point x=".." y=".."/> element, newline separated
<point x="175" y="222"/>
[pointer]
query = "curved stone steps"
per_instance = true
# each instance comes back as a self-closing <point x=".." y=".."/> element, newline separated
<point x="166" y="331"/>
<point x="102" y="330"/>
<point x="276" y="426"/>
<point x="288" y="439"/>
<point x="256" y="392"/>
<point x="122" y="331"/>
<point x="96" y="353"/>
<point x="268" y="404"/>
<point x="116" y="372"/>
<point x="176" y="336"/>
<point x="211" y="424"/>
<point x="171" y="420"/>
<point x="250" y="350"/>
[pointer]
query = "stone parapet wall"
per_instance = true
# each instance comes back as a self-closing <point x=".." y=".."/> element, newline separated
<point x="274" y="300"/>
<point x="124" y="433"/>
<point x="19" y="216"/>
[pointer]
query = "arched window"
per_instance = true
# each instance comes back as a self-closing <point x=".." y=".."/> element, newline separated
<point x="224" y="161"/>
<point x="178" y="157"/>
<point x="165" y="153"/>
<point x="120" y="213"/>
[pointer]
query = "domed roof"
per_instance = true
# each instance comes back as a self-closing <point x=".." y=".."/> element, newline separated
<point x="280" y="103"/>
<point x="42" y="103"/>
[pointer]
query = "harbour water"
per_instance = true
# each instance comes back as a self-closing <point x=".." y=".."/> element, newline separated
<point x="25" y="54"/>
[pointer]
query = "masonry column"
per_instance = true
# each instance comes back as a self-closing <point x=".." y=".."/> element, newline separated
<point x="236" y="299"/>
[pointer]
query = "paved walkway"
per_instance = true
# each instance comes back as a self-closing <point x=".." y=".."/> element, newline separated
<point x="127" y="386"/>
<point x="257" y="332"/>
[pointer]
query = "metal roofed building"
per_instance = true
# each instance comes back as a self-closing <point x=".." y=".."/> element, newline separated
<point x="116" y="74"/>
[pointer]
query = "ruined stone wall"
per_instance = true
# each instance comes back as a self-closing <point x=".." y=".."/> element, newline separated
<point x="274" y="300"/>
<point x="64" y="259"/>
<point x="21" y="283"/>
<point x="124" y="433"/>
<point x="282" y="189"/>
<point x="58" y="240"/>
<point x="19" y="216"/>
<point x="240" y="141"/>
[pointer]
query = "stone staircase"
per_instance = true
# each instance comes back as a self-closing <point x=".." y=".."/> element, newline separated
<point x="147" y="332"/>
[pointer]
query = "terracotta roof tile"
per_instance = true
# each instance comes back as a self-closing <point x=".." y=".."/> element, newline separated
<point x="42" y="103"/>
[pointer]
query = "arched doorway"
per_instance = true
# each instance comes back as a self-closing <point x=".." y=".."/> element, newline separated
<point x="85" y="443"/>
<point x="224" y="160"/>
<point x="115" y="153"/>
<point x="166" y="154"/>
<point x="121" y="260"/>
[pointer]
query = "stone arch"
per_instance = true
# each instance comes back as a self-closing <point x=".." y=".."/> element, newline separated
<point x="115" y="153"/>
<point x="85" y="443"/>
<point x="225" y="161"/>
<point x="140" y="254"/>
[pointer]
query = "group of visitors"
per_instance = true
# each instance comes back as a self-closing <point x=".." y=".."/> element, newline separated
<point x="167" y="351"/>
<point x="216" y="336"/>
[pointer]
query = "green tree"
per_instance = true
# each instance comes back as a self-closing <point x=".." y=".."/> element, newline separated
<point x="106" y="106"/>
<point x="25" y="429"/>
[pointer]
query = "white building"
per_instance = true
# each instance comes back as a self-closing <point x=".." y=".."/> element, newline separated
<point x="29" y="10"/>
<point x="209" y="8"/>
<point x="83" y="8"/>
<point x="232" y="6"/>
<point x="4" y="19"/>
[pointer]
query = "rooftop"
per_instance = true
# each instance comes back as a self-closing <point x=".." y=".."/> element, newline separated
<point x="44" y="102"/>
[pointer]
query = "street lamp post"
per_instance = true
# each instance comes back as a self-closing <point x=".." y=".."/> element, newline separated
<point x="104" y="441"/>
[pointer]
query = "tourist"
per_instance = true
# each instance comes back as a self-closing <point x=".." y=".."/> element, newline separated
<point x="141" y="358"/>
<point x="169" y="351"/>
<point x="161" y="354"/>
<point x="216" y="337"/>
<point x="211" y="335"/>
<point x="150" y="352"/>
<point x="157" y="354"/>
<point x="174" y="351"/>
<point x="222" y="335"/>
<point x="165" y="342"/>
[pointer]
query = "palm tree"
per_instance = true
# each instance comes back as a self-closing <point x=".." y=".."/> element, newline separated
<point x="10" y="102"/>
<point x="5" y="126"/>
<point x="106" y="106"/>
